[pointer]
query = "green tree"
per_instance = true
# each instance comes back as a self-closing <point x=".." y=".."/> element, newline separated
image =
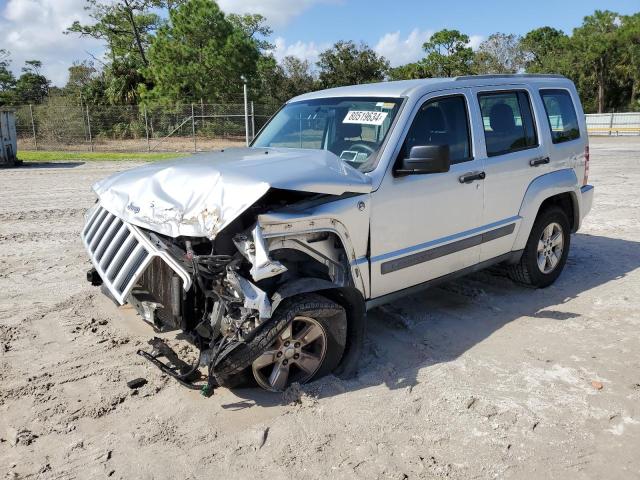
<point x="124" y="82"/>
<point x="349" y="64"/>
<point x="630" y="65"/>
<point x="125" y="25"/>
<point x="7" y="79"/>
<point x="199" y="55"/>
<point x="281" y="81"/>
<point x="269" y="75"/>
<point x="127" y="28"/>
<point x="597" y="44"/>
<point x="85" y="85"/>
<point x="409" y="71"/>
<point x="545" y="50"/>
<point x="447" y="54"/>
<point x="500" y="53"/>
<point x="298" y="78"/>
<point x="31" y="86"/>
<point x="254" y="27"/>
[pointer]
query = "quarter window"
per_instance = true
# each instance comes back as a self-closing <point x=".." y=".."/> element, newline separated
<point x="563" y="120"/>
<point x="508" y="122"/>
<point x="443" y="121"/>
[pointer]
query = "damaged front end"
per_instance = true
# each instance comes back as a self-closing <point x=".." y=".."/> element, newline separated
<point x="213" y="246"/>
<point x="183" y="283"/>
<point x="221" y="292"/>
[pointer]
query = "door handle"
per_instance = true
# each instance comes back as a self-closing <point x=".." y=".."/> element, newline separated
<point x="471" y="176"/>
<point x="539" y="161"/>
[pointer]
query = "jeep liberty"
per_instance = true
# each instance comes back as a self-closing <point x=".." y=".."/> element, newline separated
<point x="268" y="257"/>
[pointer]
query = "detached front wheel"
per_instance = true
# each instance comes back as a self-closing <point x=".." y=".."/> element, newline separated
<point x="304" y="340"/>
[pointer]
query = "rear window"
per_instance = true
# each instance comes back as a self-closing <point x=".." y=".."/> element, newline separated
<point x="563" y="120"/>
<point x="508" y="122"/>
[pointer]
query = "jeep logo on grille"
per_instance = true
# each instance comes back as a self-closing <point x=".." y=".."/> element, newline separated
<point x="133" y="208"/>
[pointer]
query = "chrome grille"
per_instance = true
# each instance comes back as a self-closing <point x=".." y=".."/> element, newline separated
<point x="121" y="252"/>
<point x="116" y="252"/>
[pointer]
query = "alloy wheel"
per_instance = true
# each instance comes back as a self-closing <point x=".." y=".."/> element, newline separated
<point x="550" y="248"/>
<point x="295" y="356"/>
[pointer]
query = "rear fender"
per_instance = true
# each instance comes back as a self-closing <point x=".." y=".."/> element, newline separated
<point x="540" y="189"/>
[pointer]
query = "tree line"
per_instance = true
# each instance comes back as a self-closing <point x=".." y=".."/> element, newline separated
<point x="167" y="52"/>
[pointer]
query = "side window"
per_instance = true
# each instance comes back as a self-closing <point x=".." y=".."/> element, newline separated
<point x="443" y="121"/>
<point x="508" y="122"/>
<point x="563" y="120"/>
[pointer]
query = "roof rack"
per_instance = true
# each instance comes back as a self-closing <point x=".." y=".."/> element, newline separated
<point x="512" y="75"/>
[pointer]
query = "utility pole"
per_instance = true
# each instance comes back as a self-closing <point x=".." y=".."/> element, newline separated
<point x="246" y="110"/>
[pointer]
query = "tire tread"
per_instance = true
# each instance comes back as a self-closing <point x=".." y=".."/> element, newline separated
<point x="239" y="356"/>
<point x="520" y="272"/>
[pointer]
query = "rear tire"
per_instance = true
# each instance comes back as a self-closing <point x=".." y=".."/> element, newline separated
<point x="546" y="251"/>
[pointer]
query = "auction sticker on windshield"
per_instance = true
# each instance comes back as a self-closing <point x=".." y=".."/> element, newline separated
<point x="365" y="117"/>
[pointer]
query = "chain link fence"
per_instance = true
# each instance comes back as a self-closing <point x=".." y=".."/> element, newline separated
<point x="617" y="124"/>
<point x="196" y="127"/>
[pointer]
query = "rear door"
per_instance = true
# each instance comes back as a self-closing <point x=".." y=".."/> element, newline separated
<point x="513" y="155"/>
<point x="425" y="226"/>
<point x="567" y="139"/>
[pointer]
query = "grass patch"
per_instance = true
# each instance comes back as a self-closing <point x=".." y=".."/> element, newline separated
<point x="44" y="156"/>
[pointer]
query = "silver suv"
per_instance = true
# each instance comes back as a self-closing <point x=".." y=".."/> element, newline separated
<point x="268" y="257"/>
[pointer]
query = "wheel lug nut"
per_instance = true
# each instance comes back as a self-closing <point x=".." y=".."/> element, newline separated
<point x="286" y="344"/>
<point x="285" y="361"/>
<point x="297" y="345"/>
<point x="296" y="356"/>
<point x="279" y="354"/>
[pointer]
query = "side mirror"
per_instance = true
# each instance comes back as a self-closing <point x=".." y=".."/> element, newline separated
<point x="426" y="159"/>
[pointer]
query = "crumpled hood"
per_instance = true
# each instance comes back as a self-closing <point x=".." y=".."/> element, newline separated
<point x="200" y="195"/>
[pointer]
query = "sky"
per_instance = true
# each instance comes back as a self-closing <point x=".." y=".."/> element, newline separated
<point x="33" y="29"/>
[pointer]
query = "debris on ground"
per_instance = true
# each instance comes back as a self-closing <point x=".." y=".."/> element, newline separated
<point x="20" y="436"/>
<point x="136" y="383"/>
<point x="470" y="402"/>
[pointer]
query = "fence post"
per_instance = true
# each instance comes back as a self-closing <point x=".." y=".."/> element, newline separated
<point x="89" y="128"/>
<point x="203" y="125"/>
<point x="193" y="128"/>
<point x="33" y="127"/>
<point x="146" y="127"/>
<point x="253" y="122"/>
<point x="610" y="124"/>
<point x="246" y="113"/>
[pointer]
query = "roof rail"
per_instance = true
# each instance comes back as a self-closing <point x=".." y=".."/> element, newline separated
<point x="512" y="75"/>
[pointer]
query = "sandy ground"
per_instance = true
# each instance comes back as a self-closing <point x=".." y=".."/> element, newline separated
<point x="477" y="379"/>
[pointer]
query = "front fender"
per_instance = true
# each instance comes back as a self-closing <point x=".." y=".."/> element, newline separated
<point x="543" y="187"/>
<point x="348" y="218"/>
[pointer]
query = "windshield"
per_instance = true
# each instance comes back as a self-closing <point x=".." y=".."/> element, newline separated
<point x="352" y="128"/>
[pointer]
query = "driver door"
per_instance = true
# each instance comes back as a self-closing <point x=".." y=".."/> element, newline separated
<point x="424" y="226"/>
